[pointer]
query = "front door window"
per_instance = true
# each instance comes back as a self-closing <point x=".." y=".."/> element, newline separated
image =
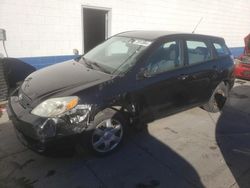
<point x="165" y="58"/>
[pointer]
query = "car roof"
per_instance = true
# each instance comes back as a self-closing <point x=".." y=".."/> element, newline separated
<point x="154" y="35"/>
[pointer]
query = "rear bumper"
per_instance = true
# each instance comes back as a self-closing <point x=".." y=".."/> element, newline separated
<point x="29" y="132"/>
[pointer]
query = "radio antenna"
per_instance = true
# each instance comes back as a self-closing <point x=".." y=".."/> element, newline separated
<point x="197" y="24"/>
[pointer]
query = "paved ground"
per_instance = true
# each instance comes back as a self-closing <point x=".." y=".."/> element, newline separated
<point x="189" y="149"/>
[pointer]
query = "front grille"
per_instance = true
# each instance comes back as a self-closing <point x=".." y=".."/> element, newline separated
<point x="24" y="100"/>
<point x="246" y="73"/>
<point x="246" y="65"/>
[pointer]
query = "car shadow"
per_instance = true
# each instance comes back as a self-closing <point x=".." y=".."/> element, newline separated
<point x="233" y="134"/>
<point x="143" y="161"/>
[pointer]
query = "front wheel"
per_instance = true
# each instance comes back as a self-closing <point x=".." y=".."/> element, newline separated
<point x="107" y="133"/>
<point x="218" y="98"/>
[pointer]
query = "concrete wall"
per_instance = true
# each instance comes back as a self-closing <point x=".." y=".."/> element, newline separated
<point x="38" y="28"/>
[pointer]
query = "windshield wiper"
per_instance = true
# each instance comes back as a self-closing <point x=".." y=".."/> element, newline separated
<point x="101" y="68"/>
<point x="91" y="64"/>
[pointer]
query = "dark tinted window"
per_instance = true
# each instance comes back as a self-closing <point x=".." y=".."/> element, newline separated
<point x="165" y="58"/>
<point x="198" y="52"/>
<point x="221" y="49"/>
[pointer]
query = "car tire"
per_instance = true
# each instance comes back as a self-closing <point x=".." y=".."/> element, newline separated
<point x="218" y="98"/>
<point x="107" y="133"/>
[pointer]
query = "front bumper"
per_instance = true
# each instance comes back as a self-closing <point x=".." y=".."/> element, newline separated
<point x="39" y="133"/>
<point x="242" y="72"/>
<point x="49" y="145"/>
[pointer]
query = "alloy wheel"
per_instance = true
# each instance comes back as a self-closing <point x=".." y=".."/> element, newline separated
<point x="107" y="135"/>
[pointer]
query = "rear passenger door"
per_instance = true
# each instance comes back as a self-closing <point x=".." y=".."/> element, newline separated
<point x="201" y="69"/>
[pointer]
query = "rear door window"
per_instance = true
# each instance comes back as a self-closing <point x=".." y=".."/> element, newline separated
<point x="221" y="49"/>
<point x="197" y="51"/>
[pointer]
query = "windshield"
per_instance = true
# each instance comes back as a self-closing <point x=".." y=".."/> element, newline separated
<point x="116" y="54"/>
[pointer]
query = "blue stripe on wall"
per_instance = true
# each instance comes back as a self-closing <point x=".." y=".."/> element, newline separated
<point x="237" y="51"/>
<point x="40" y="62"/>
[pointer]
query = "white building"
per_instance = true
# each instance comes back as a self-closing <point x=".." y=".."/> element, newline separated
<point x="43" y="32"/>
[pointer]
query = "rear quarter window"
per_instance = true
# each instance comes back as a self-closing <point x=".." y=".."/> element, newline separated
<point x="221" y="49"/>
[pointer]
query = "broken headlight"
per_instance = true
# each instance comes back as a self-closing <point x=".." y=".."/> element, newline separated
<point x="79" y="113"/>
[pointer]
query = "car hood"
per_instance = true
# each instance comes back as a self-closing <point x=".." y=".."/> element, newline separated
<point x="61" y="77"/>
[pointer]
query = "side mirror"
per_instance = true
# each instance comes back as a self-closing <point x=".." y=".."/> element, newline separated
<point x="75" y="52"/>
<point x="143" y="73"/>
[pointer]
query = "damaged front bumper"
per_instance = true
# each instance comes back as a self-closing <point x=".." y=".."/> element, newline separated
<point x="39" y="133"/>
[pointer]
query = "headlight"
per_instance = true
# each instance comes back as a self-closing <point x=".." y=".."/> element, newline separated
<point x="55" y="106"/>
<point x="79" y="113"/>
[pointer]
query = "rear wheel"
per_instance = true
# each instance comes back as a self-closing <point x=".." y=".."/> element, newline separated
<point x="218" y="98"/>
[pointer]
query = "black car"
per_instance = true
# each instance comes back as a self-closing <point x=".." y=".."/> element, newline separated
<point x="130" y="79"/>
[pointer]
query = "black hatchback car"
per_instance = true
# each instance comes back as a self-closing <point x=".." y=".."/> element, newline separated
<point x="130" y="79"/>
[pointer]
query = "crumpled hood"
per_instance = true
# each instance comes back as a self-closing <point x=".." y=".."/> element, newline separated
<point x="61" y="77"/>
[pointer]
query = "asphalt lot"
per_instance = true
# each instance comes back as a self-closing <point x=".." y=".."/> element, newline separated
<point x="190" y="149"/>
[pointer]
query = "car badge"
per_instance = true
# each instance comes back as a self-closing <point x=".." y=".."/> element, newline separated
<point x="26" y="82"/>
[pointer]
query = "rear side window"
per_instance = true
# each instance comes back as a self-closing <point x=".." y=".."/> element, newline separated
<point x="221" y="49"/>
<point x="198" y="52"/>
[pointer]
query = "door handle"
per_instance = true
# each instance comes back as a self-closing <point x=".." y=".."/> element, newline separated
<point x="183" y="77"/>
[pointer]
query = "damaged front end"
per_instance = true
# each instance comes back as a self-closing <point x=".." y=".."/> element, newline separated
<point x="52" y="120"/>
<point x="72" y="122"/>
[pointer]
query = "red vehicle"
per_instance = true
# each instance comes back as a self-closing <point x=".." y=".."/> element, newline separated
<point x="242" y="67"/>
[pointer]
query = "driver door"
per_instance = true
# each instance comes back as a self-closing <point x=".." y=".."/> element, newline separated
<point x="163" y="88"/>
